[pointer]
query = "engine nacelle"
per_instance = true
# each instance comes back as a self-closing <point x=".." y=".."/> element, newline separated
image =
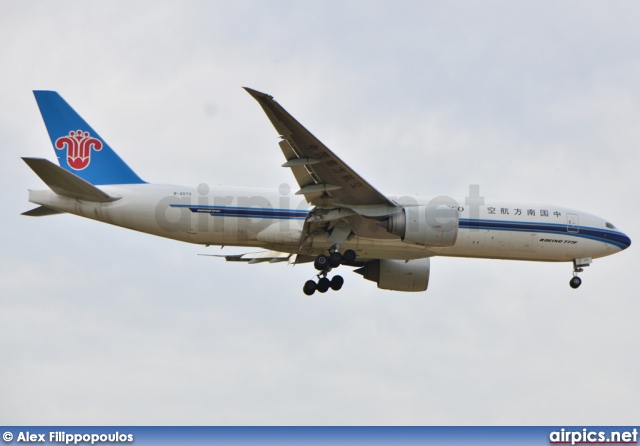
<point x="426" y="225"/>
<point x="398" y="275"/>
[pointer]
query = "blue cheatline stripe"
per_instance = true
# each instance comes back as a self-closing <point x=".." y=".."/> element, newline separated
<point x="602" y="235"/>
<point x="617" y="239"/>
<point x="247" y="212"/>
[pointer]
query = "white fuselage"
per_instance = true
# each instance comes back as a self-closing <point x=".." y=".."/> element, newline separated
<point x="268" y="219"/>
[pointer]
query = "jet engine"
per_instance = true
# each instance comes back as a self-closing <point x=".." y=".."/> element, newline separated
<point x="398" y="275"/>
<point x="425" y="225"/>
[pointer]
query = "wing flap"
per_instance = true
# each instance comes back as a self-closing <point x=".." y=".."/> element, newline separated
<point x="299" y="169"/>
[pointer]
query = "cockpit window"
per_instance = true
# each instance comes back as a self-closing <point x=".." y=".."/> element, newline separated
<point x="609" y="225"/>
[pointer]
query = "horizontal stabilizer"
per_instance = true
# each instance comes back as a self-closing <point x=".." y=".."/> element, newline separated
<point x="41" y="211"/>
<point x="64" y="183"/>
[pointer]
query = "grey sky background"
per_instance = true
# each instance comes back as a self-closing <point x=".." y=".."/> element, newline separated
<point x="533" y="101"/>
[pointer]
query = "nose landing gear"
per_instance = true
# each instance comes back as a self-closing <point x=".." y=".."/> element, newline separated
<point x="578" y="265"/>
<point x="324" y="264"/>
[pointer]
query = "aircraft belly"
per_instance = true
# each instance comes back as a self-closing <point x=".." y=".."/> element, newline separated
<point x="386" y="249"/>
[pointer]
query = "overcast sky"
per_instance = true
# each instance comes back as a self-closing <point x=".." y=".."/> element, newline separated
<point x="534" y="101"/>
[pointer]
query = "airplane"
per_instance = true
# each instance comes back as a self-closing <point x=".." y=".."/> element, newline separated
<point x="336" y="218"/>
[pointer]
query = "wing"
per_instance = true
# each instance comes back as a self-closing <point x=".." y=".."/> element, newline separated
<point x="264" y="256"/>
<point x="345" y="203"/>
<point x="320" y="173"/>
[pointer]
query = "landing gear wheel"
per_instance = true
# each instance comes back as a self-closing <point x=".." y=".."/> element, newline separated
<point x="309" y="287"/>
<point x="335" y="259"/>
<point x="349" y="256"/>
<point x="321" y="263"/>
<point x="575" y="282"/>
<point x="323" y="285"/>
<point x="336" y="283"/>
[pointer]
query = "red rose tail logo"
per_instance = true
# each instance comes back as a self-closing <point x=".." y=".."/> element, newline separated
<point x="78" y="145"/>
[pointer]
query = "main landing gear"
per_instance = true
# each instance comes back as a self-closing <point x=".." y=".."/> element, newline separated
<point x="323" y="285"/>
<point x="324" y="264"/>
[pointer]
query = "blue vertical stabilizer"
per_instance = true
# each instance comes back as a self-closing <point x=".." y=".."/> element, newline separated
<point x="79" y="148"/>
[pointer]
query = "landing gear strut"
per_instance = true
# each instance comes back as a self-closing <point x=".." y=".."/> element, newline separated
<point x="324" y="264"/>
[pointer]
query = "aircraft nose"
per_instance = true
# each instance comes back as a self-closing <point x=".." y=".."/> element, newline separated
<point x="625" y="240"/>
